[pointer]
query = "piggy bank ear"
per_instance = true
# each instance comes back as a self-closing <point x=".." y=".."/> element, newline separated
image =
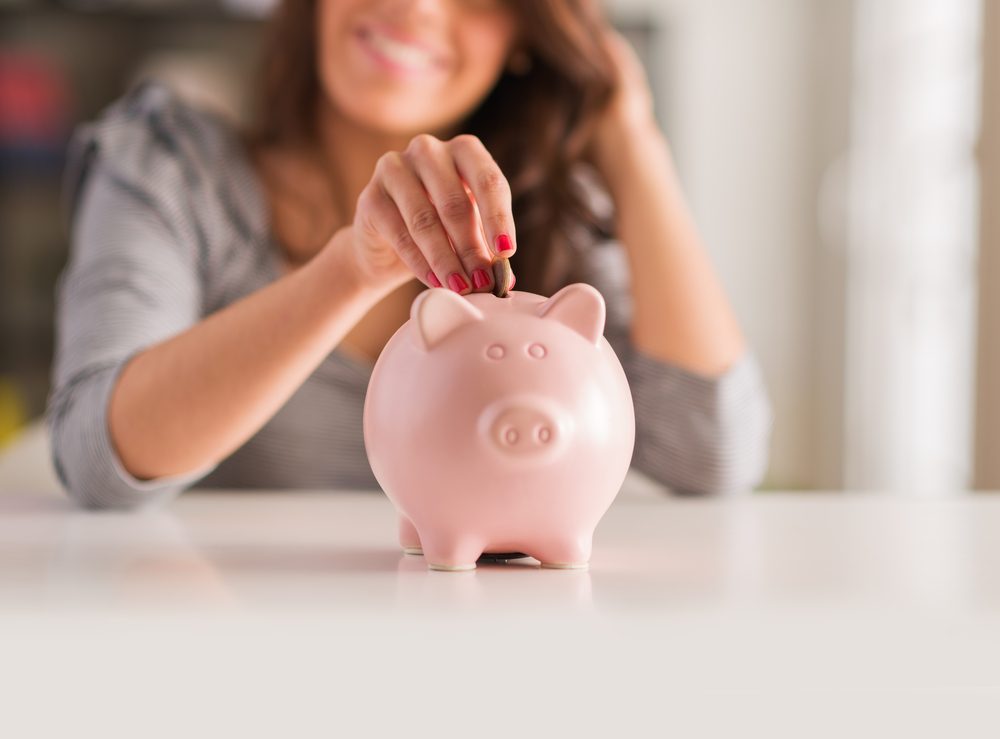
<point x="437" y="312"/>
<point x="579" y="306"/>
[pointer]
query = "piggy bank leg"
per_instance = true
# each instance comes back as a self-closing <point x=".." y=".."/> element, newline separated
<point x="409" y="539"/>
<point x="450" y="552"/>
<point x="564" y="552"/>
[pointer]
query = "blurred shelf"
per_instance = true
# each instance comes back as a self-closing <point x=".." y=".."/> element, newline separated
<point x="180" y="13"/>
<point x="97" y="53"/>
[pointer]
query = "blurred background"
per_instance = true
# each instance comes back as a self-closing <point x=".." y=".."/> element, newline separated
<point x="840" y="157"/>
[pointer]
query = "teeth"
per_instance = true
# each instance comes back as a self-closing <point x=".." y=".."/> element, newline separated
<point x="400" y="53"/>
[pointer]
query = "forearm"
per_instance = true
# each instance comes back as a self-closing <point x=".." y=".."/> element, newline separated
<point x="681" y="313"/>
<point x="195" y="398"/>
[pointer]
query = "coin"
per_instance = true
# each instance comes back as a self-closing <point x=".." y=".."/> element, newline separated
<point x="503" y="277"/>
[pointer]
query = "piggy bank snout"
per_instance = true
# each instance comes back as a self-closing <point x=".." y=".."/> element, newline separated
<point x="526" y="428"/>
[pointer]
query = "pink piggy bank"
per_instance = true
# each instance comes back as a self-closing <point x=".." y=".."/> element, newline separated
<point x="500" y="425"/>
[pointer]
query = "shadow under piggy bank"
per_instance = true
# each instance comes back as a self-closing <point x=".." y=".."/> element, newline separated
<point x="494" y="588"/>
<point x="500" y="425"/>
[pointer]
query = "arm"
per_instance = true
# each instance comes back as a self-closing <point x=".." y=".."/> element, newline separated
<point x="680" y="311"/>
<point x="193" y="399"/>
<point x="148" y="393"/>
<point x="703" y="416"/>
<point x="147" y="396"/>
<point x="702" y="412"/>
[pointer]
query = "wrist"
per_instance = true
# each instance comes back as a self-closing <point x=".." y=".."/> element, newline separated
<point x="339" y="265"/>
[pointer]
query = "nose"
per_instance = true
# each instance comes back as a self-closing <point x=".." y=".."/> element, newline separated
<point x="526" y="429"/>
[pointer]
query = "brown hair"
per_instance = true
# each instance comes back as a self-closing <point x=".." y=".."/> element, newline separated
<point x="536" y="125"/>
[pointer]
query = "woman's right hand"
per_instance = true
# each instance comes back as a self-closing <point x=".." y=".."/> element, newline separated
<point x="433" y="211"/>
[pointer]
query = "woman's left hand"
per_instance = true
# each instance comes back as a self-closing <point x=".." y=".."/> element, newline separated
<point x="629" y="114"/>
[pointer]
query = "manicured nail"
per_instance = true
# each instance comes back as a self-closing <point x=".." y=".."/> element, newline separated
<point x="504" y="243"/>
<point x="480" y="278"/>
<point x="457" y="283"/>
<point x="432" y="278"/>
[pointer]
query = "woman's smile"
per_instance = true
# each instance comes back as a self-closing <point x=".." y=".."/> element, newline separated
<point x="401" y="66"/>
<point x="393" y="55"/>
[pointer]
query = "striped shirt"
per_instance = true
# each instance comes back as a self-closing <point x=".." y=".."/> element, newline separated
<point x="169" y="223"/>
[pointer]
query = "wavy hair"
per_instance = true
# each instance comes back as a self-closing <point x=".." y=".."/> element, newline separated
<point x="536" y="124"/>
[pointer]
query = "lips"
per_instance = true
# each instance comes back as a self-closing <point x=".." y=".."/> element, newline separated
<point x="397" y="52"/>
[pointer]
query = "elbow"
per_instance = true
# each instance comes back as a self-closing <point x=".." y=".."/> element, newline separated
<point x="90" y="489"/>
<point x="731" y="469"/>
<point x="71" y="470"/>
<point x="725" y="453"/>
<point x="71" y="466"/>
<point x="91" y="498"/>
<point x="738" y="460"/>
<point x="89" y="483"/>
<point x="85" y="461"/>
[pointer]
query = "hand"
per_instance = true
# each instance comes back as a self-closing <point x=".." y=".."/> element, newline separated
<point x="629" y="114"/>
<point x="433" y="211"/>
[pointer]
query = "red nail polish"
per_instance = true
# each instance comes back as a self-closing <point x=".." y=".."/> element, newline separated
<point x="432" y="278"/>
<point x="457" y="283"/>
<point x="504" y="243"/>
<point x="480" y="278"/>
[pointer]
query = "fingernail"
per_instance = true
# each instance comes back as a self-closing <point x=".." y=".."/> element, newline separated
<point x="480" y="278"/>
<point x="432" y="278"/>
<point x="504" y="243"/>
<point x="457" y="283"/>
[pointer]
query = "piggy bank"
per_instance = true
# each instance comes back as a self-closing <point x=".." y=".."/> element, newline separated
<point x="500" y="425"/>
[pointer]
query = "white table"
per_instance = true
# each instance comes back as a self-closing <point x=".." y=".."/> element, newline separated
<point x="283" y="613"/>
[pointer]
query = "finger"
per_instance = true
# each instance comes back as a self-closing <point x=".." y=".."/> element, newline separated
<point x="381" y="219"/>
<point x="479" y="220"/>
<point x="433" y="164"/>
<point x="403" y="186"/>
<point x="490" y="189"/>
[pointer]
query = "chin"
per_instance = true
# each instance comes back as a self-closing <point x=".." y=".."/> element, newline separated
<point x="395" y="114"/>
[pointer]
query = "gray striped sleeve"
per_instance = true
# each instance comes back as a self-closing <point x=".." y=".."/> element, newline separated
<point x="131" y="281"/>
<point x="84" y="456"/>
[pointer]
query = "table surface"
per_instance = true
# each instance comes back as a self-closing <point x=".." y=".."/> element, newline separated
<point x="653" y="553"/>
<point x="774" y="590"/>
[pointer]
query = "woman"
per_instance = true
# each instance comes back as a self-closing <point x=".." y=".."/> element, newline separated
<point x="227" y="294"/>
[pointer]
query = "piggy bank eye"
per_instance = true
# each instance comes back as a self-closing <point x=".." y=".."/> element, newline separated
<point x="495" y="351"/>
<point x="536" y="350"/>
